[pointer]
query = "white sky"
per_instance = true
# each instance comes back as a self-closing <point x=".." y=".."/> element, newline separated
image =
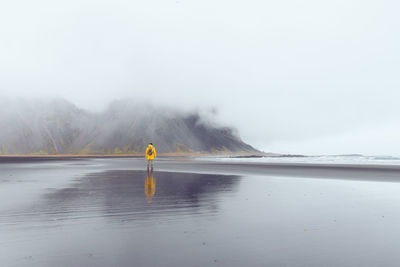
<point x="315" y="77"/>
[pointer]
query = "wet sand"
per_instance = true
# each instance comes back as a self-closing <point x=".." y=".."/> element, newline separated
<point x="112" y="212"/>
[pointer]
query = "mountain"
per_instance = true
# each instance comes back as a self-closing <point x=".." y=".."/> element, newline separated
<point x="60" y="127"/>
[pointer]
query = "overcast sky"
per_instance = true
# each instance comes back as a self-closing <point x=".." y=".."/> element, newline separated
<point x="311" y="76"/>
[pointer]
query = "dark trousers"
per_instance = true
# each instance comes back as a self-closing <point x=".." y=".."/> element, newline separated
<point x="150" y="161"/>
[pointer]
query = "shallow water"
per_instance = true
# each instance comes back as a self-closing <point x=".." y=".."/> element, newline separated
<point x="91" y="214"/>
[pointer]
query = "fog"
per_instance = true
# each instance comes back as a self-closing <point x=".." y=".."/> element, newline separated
<point x="310" y="77"/>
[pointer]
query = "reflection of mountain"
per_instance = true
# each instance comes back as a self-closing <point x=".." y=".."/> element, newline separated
<point x="121" y="194"/>
<point x="125" y="127"/>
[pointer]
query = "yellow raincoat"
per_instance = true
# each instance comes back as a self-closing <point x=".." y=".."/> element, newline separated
<point x="152" y="156"/>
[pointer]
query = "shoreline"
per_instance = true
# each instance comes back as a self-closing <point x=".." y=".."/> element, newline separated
<point x="361" y="172"/>
<point x="21" y="158"/>
<point x="185" y="158"/>
<point x="383" y="173"/>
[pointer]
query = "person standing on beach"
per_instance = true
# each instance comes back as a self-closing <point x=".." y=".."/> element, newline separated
<point x="150" y="155"/>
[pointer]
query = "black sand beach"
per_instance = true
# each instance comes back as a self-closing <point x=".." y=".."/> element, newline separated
<point x="111" y="212"/>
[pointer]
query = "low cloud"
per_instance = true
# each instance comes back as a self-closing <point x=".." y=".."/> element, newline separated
<point x="281" y="72"/>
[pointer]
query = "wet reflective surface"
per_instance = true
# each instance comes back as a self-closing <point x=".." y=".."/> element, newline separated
<point x="69" y="214"/>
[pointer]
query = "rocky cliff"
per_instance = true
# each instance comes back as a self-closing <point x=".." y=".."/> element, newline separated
<point x="60" y="127"/>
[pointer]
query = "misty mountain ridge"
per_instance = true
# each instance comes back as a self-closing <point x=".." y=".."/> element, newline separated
<point x="125" y="127"/>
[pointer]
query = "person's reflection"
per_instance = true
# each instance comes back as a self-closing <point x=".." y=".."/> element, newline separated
<point x="149" y="185"/>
